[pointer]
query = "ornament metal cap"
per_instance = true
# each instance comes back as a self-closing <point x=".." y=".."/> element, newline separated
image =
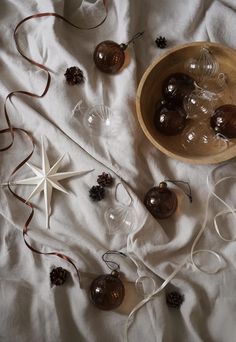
<point x="163" y="185"/>
<point x="115" y="273"/>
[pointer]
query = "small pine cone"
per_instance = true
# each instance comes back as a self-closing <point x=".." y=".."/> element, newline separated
<point x="74" y="75"/>
<point x="161" y="42"/>
<point x="174" y="299"/>
<point x="97" y="193"/>
<point x="58" y="276"/>
<point x="105" y="179"/>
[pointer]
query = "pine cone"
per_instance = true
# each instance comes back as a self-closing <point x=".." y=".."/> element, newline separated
<point x="174" y="299"/>
<point x="161" y="42"/>
<point x="105" y="179"/>
<point x="74" y="75"/>
<point x="58" y="276"/>
<point x="97" y="193"/>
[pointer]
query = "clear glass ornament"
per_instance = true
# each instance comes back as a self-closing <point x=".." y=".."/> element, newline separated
<point x="198" y="135"/>
<point x="198" y="104"/>
<point x="214" y="85"/>
<point x="203" y="66"/>
<point x="98" y="120"/>
<point x="120" y="218"/>
<point x="101" y="121"/>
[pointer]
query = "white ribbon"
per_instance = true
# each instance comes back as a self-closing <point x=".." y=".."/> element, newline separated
<point x="193" y="252"/>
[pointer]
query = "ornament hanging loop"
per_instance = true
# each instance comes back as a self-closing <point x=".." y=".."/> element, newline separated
<point x="112" y="265"/>
<point x="175" y="182"/>
<point x="136" y="36"/>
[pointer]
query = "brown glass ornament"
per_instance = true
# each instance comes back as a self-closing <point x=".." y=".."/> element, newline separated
<point x="107" y="291"/>
<point x="160" y="201"/>
<point x="169" y="119"/>
<point x="109" y="56"/>
<point x="224" y="121"/>
<point x="176" y="86"/>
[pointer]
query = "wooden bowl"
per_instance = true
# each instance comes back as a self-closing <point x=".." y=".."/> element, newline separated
<point x="150" y="92"/>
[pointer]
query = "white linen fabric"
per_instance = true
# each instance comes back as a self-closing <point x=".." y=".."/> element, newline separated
<point x="32" y="310"/>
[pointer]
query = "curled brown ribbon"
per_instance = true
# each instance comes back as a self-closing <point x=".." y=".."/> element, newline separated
<point x="10" y="129"/>
<point x="41" y="66"/>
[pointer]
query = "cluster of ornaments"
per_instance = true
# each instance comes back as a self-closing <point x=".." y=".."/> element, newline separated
<point x="191" y="104"/>
<point x="107" y="291"/>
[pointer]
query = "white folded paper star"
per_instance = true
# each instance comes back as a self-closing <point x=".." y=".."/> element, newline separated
<point x="46" y="179"/>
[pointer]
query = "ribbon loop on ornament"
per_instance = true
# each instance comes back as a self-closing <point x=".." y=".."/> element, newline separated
<point x="112" y="265"/>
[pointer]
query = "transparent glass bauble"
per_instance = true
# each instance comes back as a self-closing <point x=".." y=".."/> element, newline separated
<point x="215" y="86"/>
<point x="101" y="121"/>
<point x="199" y="135"/>
<point x="199" y="104"/>
<point x="120" y="219"/>
<point x="202" y="66"/>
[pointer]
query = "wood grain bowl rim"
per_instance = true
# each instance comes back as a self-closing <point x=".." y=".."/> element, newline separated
<point x="214" y="159"/>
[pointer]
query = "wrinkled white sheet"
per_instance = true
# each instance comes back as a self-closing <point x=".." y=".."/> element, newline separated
<point x="30" y="310"/>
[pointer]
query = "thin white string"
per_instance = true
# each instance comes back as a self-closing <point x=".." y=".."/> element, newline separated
<point x="147" y="299"/>
<point x="192" y="252"/>
<point x="221" y="213"/>
<point x="127" y="192"/>
<point x="229" y="210"/>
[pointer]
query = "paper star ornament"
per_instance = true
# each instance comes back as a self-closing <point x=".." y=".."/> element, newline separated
<point x="46" y="179"/>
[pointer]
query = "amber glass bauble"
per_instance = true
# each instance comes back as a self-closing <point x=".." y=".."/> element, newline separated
<point x="107" y="291"/>
<point x="176" y="86"/>
<point x="109" y="56"/>
<point x="168" y="119"/>
<point x="224" y="121"/>
<point x="160" y="201"/>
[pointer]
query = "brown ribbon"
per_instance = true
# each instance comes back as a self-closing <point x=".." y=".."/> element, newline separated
<point x="10" y="129"/>
<point x="41" y="66"/>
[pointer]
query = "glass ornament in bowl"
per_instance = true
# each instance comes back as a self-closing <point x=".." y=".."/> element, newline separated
<point x="199" y="104"/>
<point x="223" y="120"/>
<point x="215" y="86"/>
<point x="176" y="86"/>
<point x="199" y="138"/>
<point x="205" y="65"/>
<point x="169" y="119"/>
<point x="212" y="66"/>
